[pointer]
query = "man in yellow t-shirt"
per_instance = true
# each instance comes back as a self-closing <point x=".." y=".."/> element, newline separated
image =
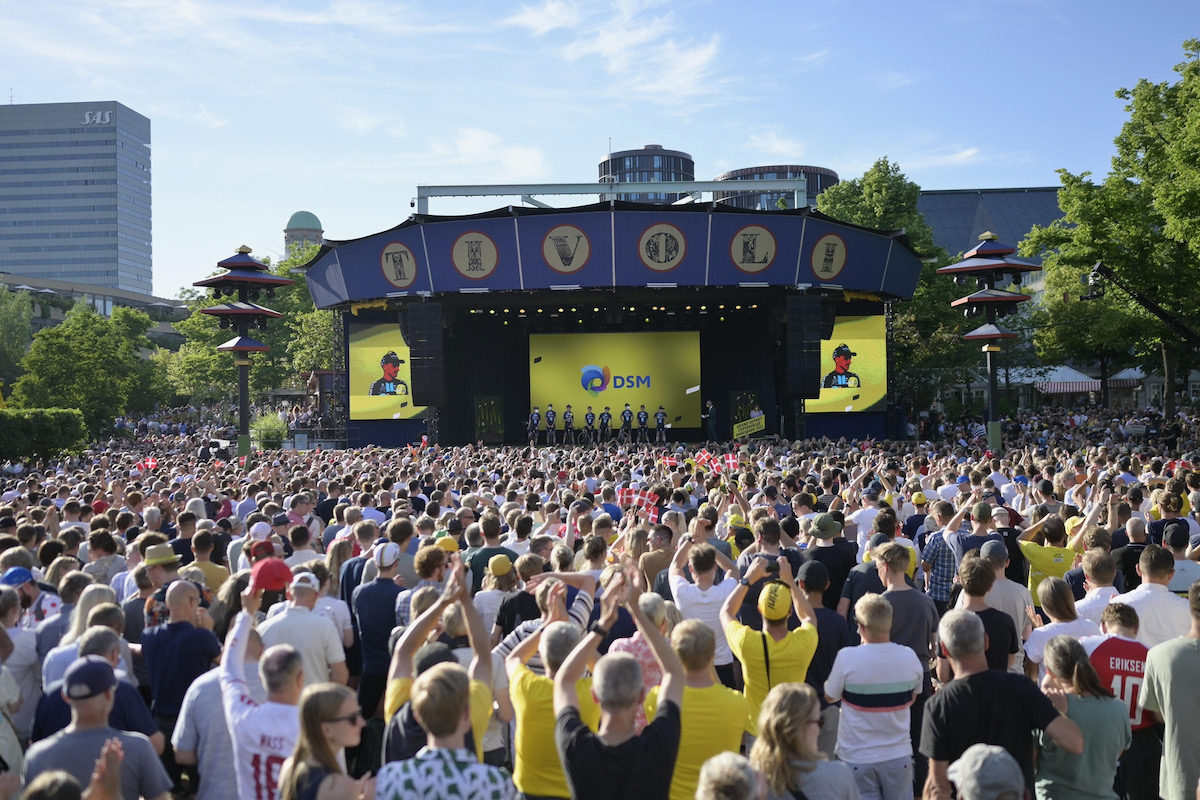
<point x="773" y="655"/>
<point x="713" y="716"/>
<point x="1049" y="560"/>
<point x="413" y="656"/>
<point x="537" y="770"/>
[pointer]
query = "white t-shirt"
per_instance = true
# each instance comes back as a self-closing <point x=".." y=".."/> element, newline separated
<point x="314" y="637"/>
<point x="705" y="605"/>
<point x="264" y="735"/>
<point x="1035" y="645"/>
<point x="876" y="683"/>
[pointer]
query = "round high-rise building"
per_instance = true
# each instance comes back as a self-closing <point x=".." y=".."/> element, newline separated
<point x="818" y="179"/>
<point x="651" y="163"/>
<point x="302" y="228"/>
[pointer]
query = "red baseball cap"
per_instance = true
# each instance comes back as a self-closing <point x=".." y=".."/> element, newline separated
<point x="270" y="575"/>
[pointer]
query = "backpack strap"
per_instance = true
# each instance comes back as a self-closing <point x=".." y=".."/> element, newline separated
<point x="766" y="659"/>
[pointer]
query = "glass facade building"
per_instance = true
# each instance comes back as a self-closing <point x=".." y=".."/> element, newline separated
<point x="818" y="179"/>
<point x="75" y="194"/>
<point x="651" y="163"/>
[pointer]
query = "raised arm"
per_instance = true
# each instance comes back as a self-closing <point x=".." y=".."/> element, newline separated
<point x="572" y="669"/>
<point x="729" y="609"/>
<point x="803" y="608"/>
<point x="418" y="631"/>
<point x="477" y="633"/>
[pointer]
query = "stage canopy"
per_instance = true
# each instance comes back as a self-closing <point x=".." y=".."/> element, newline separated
<point x="614" y="245"/>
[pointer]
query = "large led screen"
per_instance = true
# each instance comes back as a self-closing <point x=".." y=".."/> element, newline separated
<point x="853" y="367"/>
<point x="380" y="373"/>
<point x="612" y="369"/>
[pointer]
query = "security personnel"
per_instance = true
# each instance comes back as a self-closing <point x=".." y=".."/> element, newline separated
<point x="660" y="424"/>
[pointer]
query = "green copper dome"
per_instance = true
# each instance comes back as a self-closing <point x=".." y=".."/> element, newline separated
<point x="304" y="221"/>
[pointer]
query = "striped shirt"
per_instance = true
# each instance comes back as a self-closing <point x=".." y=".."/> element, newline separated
<point x="876" y="684"/>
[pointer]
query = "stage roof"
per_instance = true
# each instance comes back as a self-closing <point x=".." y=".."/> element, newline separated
<point x="613" y="245"/>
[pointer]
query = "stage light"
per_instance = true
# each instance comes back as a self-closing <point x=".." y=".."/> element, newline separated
<point x="687" y="308"/>
<point x="560" y="311"/>
<point x="737" y="308"/>
<point x="539" y="311"/>
<point x="595" y="310"/>
<point x="722" y="319"/>
<point x="522" y="311"/>
<point x="505" y="322"/>
<point x="647" y="319"/>
<point x="490" y="311"/>
<point x="573" y="310"/>
<point x="506" y="311"/>
<point x="754" y="306"/>
<point x="704" y="308"/>
<point x="722" y="307"/>
<point x="631" y="308"/>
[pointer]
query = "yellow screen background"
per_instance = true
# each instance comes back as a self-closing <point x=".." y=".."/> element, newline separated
<point x="670" y="359"/>
<point x="865" y="336"/>
<point x="368" y="344"/>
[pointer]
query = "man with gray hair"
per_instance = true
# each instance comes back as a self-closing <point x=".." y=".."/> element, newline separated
<point x="616" y="762"/>
<point x="987" y="772"/>
<point x="986" y="706"/>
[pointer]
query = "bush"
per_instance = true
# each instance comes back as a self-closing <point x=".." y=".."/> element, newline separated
<point x="269" y="430"/>
<point x="40" y="432"/>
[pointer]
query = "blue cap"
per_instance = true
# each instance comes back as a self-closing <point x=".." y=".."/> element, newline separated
<point x="1021" y="479"/>
<point x="961" y="479"/>
<point x="16" y="576"/>
<point x="88" y="677"/>
<point x="281" y="519"/>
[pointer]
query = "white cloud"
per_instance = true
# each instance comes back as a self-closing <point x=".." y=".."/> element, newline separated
<point x="485" y="153"/>
<point x="817" y="59"/>
<point x="551" y="15"/>
<point x="199" y="114"/>
<point x="893" y="80"/>
<point x="773" y="143"/>
<point x="946" y="157"/>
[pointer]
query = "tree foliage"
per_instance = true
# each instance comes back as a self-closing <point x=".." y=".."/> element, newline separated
<point x="40" y="432"/>
<point x="927" y="350"/>
<point x="16" y="332"/>
<point x="1141" y="222"/>
<point x="90" y="363"/>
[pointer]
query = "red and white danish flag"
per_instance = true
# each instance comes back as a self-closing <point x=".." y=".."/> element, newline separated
<point x="731" y="460"/>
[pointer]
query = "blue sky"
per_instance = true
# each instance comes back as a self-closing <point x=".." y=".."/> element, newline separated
<point x="343" y="107"/>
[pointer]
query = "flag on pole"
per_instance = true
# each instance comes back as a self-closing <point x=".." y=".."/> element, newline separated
<point x="152" y="463"/>
<point x="242" y="462"/>
<point x="731" y="460"/>
<point x="652" y="515"/>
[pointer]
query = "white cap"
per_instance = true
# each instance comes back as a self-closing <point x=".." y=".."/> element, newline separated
<point x="305" y="580"/>
<point x="387" y="554"/>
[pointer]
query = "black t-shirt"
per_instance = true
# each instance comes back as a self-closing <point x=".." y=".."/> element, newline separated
<point x="832" y="636"/>
<point x="1127" y="560"/>
<point x="1017" y="570"/>
<point x="1002" y="638"/>
<point x="640" y="767"/>
<point x="516" y="609"/>
<point x="862" y="580"/>
<point x="839" y="560"/>
<point x="989" y="707"/>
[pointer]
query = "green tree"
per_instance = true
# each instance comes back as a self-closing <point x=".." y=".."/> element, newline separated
<point x="16" y="331"/>
<point x="1159" y="146"/>
<point x="1116" y="222"/>
<point x="87" y="362"/>
<point x="927" y="350"/>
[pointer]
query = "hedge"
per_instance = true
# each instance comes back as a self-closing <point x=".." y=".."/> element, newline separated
<point x="40" y="432"/>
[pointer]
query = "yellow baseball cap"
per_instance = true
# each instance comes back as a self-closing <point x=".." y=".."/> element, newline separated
<point x="448" y="543"/>
<point x="500" y="564"/>
<point x="775" y="602"/>
<point x="918" y="499"/>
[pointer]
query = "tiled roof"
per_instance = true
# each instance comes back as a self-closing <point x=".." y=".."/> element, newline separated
<point x="958" y="216"/>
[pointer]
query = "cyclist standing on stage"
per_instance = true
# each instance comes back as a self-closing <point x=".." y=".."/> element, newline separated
<point x="606" y="424"/>
<point x="534" y="420"/>
<point x="660" y="425"/>
<point x="550" y="417"/>
<point x="626" y="434"/>
<point x="589" y="425"/>
<point x="642" y="419"/>
<point x="569" y="426"/>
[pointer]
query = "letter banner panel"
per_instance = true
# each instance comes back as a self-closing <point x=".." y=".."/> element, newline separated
<point x="754" y="248"/>
<point x="606" y="248"/>
<point x="473" y="254"/>
<point x="566" y="250"/>
<point x="661" y="247"/>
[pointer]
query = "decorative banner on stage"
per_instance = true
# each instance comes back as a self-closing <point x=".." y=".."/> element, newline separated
<point x="854" y="367"/>
<point x="607" y="246"/>
<point x="380" y="373"/>
<point x="566" y="250"/>
<point x="611" y="369"/>
<point x="753" y="425"/>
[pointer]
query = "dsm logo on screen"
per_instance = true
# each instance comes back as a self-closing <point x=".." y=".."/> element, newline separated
<point x="596" y="379"/>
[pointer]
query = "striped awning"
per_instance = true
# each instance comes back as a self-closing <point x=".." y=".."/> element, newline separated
<point x="1125" y="383"/>
<point x="1067" y="387"/>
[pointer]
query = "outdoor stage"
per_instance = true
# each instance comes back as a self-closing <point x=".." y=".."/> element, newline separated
<point x="610" y="304"/>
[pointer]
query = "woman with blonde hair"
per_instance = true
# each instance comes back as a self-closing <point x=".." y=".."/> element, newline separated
<point x="341" y="551"/>
<point x="1059" y="604"/>
<point x="196" y="506"/>
<point x="786" y="754"/>
<point x="1103" y="719"/>
<point x="330" y="721"/>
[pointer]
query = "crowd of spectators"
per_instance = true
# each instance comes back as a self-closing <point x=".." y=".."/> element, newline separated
<point x="819" y="619"/>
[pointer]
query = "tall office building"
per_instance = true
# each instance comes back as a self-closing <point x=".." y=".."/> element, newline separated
<point x="817" y="180"/>
<point x="651" y="163"/>
<point x="75" y="194"/>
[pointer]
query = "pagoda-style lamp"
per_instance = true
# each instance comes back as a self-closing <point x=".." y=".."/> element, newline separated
<point x="245" y="279"/>
<point x="989" y="265"/>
